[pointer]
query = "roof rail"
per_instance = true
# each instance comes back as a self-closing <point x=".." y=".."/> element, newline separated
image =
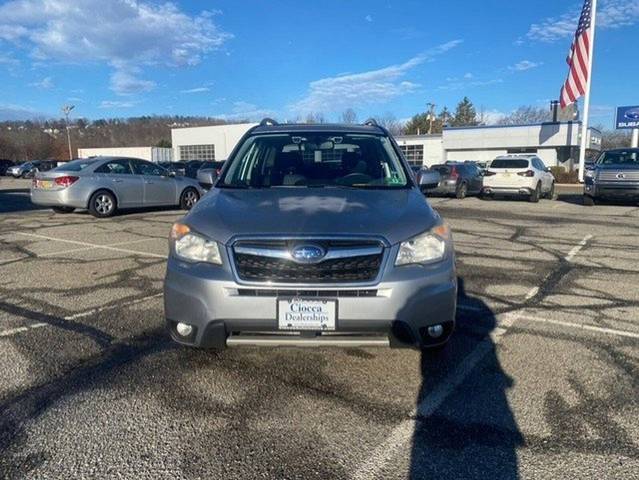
<point x="371" y="122"/>
<point x="268" y="121"/>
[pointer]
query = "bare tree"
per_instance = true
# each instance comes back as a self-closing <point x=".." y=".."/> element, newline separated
<point x="526" y="114"/>
<point x="349" y="116"/>
<point x="315" y="117"/>
<point x="390" y="123"/>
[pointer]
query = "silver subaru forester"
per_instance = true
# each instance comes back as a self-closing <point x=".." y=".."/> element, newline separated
<point x="312" y="235"/>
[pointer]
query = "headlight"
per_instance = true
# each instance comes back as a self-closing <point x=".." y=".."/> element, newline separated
<point x="429" y="247"/>
<point x="192" y="247"/>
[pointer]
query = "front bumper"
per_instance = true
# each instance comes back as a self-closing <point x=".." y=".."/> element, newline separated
<point x="611" y="189"/>
<point x="408" y="299"/>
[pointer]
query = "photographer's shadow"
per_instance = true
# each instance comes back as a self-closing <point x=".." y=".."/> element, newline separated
<point x="472" y="433"/>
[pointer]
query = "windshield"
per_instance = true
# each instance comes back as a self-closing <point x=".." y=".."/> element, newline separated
<point x="509" y="163"/>
<point x="312" y="159"/>
<point x="75" y="165"/>
<point x="620" y="157"/>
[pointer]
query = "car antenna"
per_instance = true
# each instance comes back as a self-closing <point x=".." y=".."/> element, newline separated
<point x="371" y="122"/>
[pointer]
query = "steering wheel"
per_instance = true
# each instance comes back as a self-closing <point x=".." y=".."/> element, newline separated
<point x="353" y="178"/>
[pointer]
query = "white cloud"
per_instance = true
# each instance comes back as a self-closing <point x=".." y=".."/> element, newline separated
<point x="333" y="94"/>
<point x="468" y="76"/>
<point x="116" y="104"/>
<point x="465" y="83"/>
<point x="45" y="84"/>
<point x="125" y="34"/>
<point x="196" y="90"/>
<point x="524" y="65"/>
<point x="491" y="117"/>
<point x="9" y="112"/>
<point x="368" y="18"/>
<point x="246" y="111"/>
<point x="610" y="14"/>
<point x="125" y="82"/>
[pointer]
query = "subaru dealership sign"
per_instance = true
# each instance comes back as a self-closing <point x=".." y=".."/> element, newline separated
<point x="627" y="117"/>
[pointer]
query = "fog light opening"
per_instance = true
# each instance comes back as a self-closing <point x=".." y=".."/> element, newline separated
<point x="435" y="331"/>
<point x="183" y="329"/>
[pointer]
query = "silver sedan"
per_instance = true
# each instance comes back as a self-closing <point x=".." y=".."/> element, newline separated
<point x="104" y="185"/>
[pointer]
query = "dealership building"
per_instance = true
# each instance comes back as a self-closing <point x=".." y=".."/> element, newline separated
<point x="556" y="143"/>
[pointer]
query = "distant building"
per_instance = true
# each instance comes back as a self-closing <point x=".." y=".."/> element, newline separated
<point x="207" y="143"/>
<point x="153" y="154"/>
<point x="555" y="143"/>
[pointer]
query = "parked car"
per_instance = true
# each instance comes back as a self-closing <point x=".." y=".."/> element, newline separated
<point x="176" y="168"/>
<point x="191" y="167"/>
<point x="29" y="169"/>
<point x="312" y="235"/>
<point x="614" y="175"/>
<point x="458" y="179"/>
<point x="426" y="179"/>
<point x="209" y="173"/>
<point x="106" y="184"/>
<point x="5" y="165"/>
<point x="519" y="174"/>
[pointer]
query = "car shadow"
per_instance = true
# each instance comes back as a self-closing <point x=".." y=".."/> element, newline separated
<point x="16" y="200"/>
<point x="464" y="426"/>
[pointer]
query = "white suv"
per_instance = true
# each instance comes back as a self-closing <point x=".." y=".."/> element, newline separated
<point x="519" y="175"/>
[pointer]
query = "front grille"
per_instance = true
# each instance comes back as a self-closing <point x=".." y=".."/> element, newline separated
<point x="358" y="267"/>
<point x="253" y="292"/>
<point x="628" y="176"/>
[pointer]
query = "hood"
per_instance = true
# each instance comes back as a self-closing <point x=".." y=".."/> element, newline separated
<point x="395" y="215"/>
<point x="616" y="166"/>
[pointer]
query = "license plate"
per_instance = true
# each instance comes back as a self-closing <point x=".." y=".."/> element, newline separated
<point x="506" y="174"/>
<point x="301" y="314"/>
<point x="44" y="184"/>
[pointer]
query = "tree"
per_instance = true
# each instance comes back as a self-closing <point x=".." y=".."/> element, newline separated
<point x="418" y="124"/>
<point x="390" y="123"/>
<point x="349" y="116"/>
<point x="465" y="114"/>
<point x="315" y="117"/>
<point x="526" y="114"/>
<point x="164" y="143"/>
<point x="614" y="138"/>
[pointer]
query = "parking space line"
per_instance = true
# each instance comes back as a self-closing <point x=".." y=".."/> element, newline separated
<point x="14" y="331"/>
<point x="581" y="326"/>
<point x="404" y="432"/>
<point x="577" y="248"/>
<point x="92" y="245"/>
<point x="83" y="249"/>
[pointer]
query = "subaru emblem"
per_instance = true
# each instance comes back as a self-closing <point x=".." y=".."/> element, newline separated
<point x="632" y="114"/>
<point x="307" y="253"/>
<point x="621" y="176"/>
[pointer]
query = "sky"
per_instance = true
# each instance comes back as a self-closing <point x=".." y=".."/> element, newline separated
<point x="285" y="58"/>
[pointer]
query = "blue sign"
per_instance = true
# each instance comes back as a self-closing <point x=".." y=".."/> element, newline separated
<point x="627" y="117"/>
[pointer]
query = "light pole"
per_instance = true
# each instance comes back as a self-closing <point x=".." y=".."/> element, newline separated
<point x="431" y="116"/>
<point x="66" y="109"/>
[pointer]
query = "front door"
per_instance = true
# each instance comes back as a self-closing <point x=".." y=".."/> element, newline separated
<point x="159" y="189"/>
<point x="117" y="175"/>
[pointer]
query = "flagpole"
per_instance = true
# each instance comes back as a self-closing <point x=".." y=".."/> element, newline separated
<point x="584" y="129"/>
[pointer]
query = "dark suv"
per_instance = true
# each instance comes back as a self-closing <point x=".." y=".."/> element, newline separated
<point x="459" y="179"/>
<point x="614" y="175"/>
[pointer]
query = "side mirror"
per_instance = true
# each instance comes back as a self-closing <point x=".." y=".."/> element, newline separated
<point x="547" y="169"/>
<point x="428" y="179"/>
<point x="171" y="174"/>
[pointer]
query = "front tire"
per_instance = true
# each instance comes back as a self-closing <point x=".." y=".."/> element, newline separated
<point x="189" y="198"/>
<point x="102" y="204"/>
<point x="63" y="210"/>
<point x="534" y="196"/>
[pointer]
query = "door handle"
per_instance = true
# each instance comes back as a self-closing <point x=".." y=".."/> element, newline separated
<point x="116" y="180"/>
<point x="148" y="182"/>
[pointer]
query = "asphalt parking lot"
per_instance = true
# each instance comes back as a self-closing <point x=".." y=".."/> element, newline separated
<point x="541" y="379"/>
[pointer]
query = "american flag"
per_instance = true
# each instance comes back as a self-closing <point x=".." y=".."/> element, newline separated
<point x="578" y="59"/>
